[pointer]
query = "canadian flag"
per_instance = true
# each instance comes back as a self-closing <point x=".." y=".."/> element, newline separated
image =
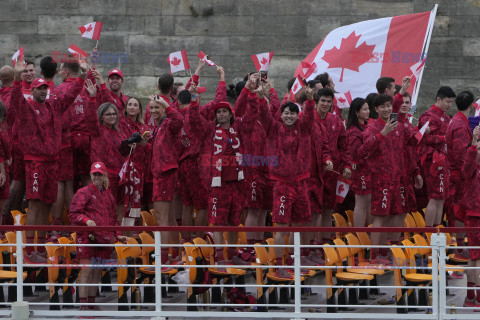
<point x="308" y="68"/>
<point x="18" y="56"/>
<point x="421" y="132"/>
<point x="262" y="60"/>
<point x="343" y="99"/>
<point x="178" y="61"/>
<point x="204" y="57"/>
<point x="131" y="182"/>
<point x="477" y="108"/>
<point x="417" y="68"/>
<point x="91" y="30"/>
<point x="343" y="185"/>
<point x="356" y="55"/>
<point x="297" y="85"/>
<point x="77" y="52"/>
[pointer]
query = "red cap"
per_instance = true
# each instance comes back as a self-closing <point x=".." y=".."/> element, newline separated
<point x="98" y="167"/>
<point x="201" y="89"/>
<point x="221" y="105"/>
<point x="117" y="72"/>
<point x="39" y="82"/>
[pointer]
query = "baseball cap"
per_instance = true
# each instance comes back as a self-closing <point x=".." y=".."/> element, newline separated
<point x="39" y="82"/>
<point x="98" y="167"/>
<point x="117" y="72"/>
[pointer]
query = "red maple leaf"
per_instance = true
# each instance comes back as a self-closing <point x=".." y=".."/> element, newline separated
<point x="341" y="100"/>
<point x="175" y="61"/>
<point x="264" y="61"/>
<point x="89" y="27"/>
<point x="349" y="56"/>
<point x="295" y="87"/>
<point x="341" y="188"/>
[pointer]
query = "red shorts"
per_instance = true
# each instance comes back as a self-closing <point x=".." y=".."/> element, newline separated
<point x="41" y="180"/>
<point x="224" y="207"/>
<point x="329" y="189"/>
<point x="18" y="164"/>
<point x="407" y="193"/>
<point x="361" y="183"/>
<point x="190" y="185"/>
<point x="81" y="154"/>
<point x="65" y="164"/>
<point x="315" y="194"/>
<point x="386" y="197"/>
<point x="437" y="185"/>
<point x="98" y="254"/>
<point x="258" y="192"/>
<point x="118" y="191"/>
<point x="473" y="237"/>
<point x="165" y="185"/>
<point x="290" y="202"/>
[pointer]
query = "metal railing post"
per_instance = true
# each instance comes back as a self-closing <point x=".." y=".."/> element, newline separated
<point x="158" y="272"/>
<point x="438" y="243"/>
<point x="19" y="252"/>
<point x="298" y="289"/>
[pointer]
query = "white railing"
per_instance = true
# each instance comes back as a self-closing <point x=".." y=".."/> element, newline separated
<point x="162" y="306"/>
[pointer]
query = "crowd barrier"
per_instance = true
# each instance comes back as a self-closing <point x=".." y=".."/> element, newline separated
<point x="144" y="289"/>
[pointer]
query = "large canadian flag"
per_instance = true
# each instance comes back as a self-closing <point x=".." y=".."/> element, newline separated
<point x="91" y="30"/>
<point x="178" y="61"/>
<point x="355" y="56"/>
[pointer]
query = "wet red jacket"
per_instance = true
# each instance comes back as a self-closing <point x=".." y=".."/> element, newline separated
<point x="411" y="156"/>
<point x="89" y="203"/>
<point x="471" y="174"/>
<point x="105" y="141"/>
<point x="337" y="140"/>
<point x="435" y="140"/>
<point x="321" y="151"/>
<point x="292" y="145"/>
<point x="60" y="90"/>
<point x="5" y="144"/>
<point x="458" y="137"/>
<point x="39" y="130"/>
<point x="140" y="154"/>
<point x="5" y="93"/>
<point x="355" y="141"/>
<point x="166" y="152"/>
<point x="386" y="154"/>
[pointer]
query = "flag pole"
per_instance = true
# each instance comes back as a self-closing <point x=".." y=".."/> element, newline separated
<point x="431" y="23"/>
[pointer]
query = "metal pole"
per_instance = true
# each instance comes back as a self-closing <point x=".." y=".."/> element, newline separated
<point x="158" y="272"/>
<point x="438" y="243"/>
<point x="19" y="249"/>
<point x="296" y="255"/>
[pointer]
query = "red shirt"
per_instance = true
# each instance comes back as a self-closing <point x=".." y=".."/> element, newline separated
<point x="435" y="140"/>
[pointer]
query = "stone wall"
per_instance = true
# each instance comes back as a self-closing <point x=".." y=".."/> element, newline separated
<point x="230" y="31"/>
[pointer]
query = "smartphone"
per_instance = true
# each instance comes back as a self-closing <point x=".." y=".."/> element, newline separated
<point x="394" y="117"/>
<point x="263" y="75"/>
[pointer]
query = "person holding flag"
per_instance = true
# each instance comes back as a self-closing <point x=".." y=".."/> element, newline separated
<point x="40" y="142"/>
<point x="433" y="153"/>
<point x="384" y="147"/>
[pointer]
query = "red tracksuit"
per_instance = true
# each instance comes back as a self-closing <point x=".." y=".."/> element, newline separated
<point x="5" y="154"/>
<point x="411" y="169"/>
<point x="40" y="139"/>
<point x="361" y="179"/>
<point x="89" y="203"/>
<point x="337" y="139"/>
<point x="18" y="164"/>
<point x="165" y="155"/>
<point x="385" y="157"/>
<point x="106" y="148"/>
<point x="292" y="170"/>
<point x="119" y="102"/>
<point x="436" y="178"/>
<point x="223" y="148"/>
<point x="471" y="199"/>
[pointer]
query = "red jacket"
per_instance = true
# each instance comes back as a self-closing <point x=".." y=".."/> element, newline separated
<point x="39" y="129"/>
<point x="109" y="96"/>
<point x="386" y="154"/>
<point x="458" y="137"/>
<point x="355" y="139"/>
<point x="471" y="174"/>
<point x="292" y="145"/>
<point x="5" y="145"/>
<point x="321" y="151"/>
<point x="67" y="86"/>
<point x="5" y="93"/>
<point x="105" y="141"/>
<point x="397" y="103"/>
<point x="166" y="153"/>
<point x="89" y="203"/>
<point x="435" y="140"/>
<point x="411" y="156"/>
<point x="337" y="140"/>
<point x="140" y="155"/>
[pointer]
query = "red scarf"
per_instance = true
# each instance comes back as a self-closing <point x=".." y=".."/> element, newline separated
<point x="220" y="141"/>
